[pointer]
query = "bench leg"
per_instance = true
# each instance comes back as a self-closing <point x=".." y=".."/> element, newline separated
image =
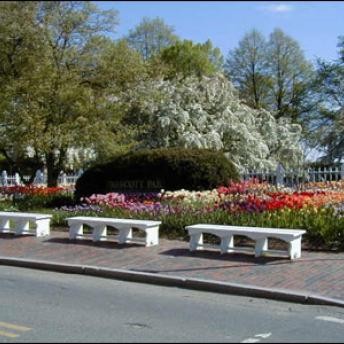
<point x="99" y="233"/>
<point x="75" y="230"/>
<point x="125" y="234"/>
<point x="294" y="250"/>
<point x="4" y="225"/>
<point x="261" y="246"/>
<point x="42" y="227"/>
<point x="227" y="244"/>
<point x="152" y="236"/>
<point x="21" y="227"/>
<point x="195" y="241"/>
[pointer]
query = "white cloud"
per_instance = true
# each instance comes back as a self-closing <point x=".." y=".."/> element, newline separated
<point x="279" y="8"/>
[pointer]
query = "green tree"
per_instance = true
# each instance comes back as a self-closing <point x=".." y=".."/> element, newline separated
<point x="19" y="48"/>
<point x="116" y="68"/>
<point x="273" y="75"/>
<point x="246" y="68"/>
<point x="215" y="56"/>
<point x="151" y="36"/>
<point x="326" y="126"/>
<point x="110" y="68"/>
<point x="186" y="58"/>
<point x="48" y="104"/>
<point x="290" y="75"/>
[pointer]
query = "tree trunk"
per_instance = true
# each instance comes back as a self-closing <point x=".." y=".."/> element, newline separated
<point x="53" y="170"/>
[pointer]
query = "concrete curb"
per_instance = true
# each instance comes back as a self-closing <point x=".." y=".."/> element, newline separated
<point x="175" y="281"/>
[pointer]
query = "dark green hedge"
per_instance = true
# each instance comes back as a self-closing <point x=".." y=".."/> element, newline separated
<point x="152" y="170"/>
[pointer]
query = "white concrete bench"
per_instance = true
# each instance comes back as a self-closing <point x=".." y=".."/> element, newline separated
<point x="259" y="235"/>
<point x="124" y="226"/>
<point x="19" y="223"/>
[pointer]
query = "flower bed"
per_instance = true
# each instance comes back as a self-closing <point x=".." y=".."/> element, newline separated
<point x="318" y="208"/>
<point x="32" y="190"/>
<point x="30" y="197"/>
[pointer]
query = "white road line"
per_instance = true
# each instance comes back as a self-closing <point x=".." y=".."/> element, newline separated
<point x="330" y="319"/>
<point x="256" y="340"/>
<point x="251" y="340"/>
<point x="263" y="335"/>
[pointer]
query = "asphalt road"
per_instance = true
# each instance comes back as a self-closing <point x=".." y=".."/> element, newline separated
<point x="41" y="306"/>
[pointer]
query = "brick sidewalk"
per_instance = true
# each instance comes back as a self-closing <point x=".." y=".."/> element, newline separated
<point x="321" y="273"/>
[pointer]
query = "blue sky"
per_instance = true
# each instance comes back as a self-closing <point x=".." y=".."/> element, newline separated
<point x="316" y="25"/>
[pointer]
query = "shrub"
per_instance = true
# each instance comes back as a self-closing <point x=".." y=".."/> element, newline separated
<point x="152" y="170"/>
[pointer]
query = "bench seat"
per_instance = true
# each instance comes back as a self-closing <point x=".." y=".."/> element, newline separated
<point x="99" y="229"/>
<point x="22" y="222"/>
<point x="258" y="234"/>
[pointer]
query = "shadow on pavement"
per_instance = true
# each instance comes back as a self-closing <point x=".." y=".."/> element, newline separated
<point x="11" y="236"/>
<point x="215" y="255"/>
<point x="108" y="244"/>
<point x="242" y="260"/>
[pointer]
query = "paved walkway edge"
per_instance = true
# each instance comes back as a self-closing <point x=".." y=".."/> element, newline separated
<point x="175" y="281"/>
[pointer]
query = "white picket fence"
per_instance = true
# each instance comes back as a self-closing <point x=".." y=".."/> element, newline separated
<point x="64" y="179"/>
<point x="294" y="178"/>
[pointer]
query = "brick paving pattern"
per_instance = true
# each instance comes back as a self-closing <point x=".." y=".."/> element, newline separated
<point x="321" y="273"/>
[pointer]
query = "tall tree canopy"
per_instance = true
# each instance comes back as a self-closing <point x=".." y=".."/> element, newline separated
<point x="326" y="126"/>
<point x="151" y="36"/>
<point x="246" y="68"/>
<point x="272" y="74"/>
<point x="186" y="58"/>
<point x="19" y="48"/>
<point x="290" y="74"/>
<point x="48" y="103"/>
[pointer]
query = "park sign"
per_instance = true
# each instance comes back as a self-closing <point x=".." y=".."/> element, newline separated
<point x="136" y="185"/>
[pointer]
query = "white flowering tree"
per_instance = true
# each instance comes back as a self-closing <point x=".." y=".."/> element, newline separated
<point x="207" y="113"/>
